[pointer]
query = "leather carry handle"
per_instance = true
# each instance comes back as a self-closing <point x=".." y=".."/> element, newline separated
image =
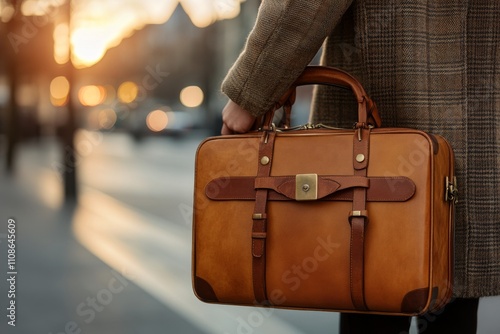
<point x="368" y="114"/>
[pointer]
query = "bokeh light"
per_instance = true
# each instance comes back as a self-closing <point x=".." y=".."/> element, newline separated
<point x="91" y="95"/>
<point x="107" y="118"/>
<point x="6" y="12"/>
<point x="157" y="120"/>
<point x="59" y="90"/>
<point x="192" y="96"/>
<point x="61" y="43"/>
<point x="39" y="8"/>
<point x="127" y="92"/>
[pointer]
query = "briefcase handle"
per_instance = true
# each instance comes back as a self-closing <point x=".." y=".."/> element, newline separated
<point x="368" y="114"/>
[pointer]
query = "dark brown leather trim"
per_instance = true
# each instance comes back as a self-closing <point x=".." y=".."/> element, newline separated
<point x="435" y="144"/>
<point x="358" y="221"/>
<point x="381" y="189"/>
<point x="415" y="300"/>
<point x="327" y="185"/>
<point x="259" y="226"/>
<point x="204" y="290"/>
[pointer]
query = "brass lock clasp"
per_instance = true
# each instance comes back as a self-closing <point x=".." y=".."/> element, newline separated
<point x="306" y="187"/>
<point x="451" y="190"/>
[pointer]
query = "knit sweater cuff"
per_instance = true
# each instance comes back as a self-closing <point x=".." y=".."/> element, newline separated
<point x="233" y="88"/>
<point x="285" y="38"/>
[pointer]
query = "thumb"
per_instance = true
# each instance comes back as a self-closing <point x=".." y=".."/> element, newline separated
<point x="225" y="130"/>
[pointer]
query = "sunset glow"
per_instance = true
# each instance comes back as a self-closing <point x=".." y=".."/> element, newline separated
<point x="102" y="24"/>
<point x="98" y="25"/>
<point x="59" y="90"/>
<point x="61" y="43"/>
<point x="205" y="12"/>
<point x="91" y="95"/>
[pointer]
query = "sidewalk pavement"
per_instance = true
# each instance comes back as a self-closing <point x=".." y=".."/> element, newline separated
<point x="61" y="287"/>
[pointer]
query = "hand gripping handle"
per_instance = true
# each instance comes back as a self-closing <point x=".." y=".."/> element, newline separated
<point x="367" y="110"/>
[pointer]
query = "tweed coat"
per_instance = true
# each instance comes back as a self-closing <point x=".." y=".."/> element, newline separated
<point x="431" y="65"/>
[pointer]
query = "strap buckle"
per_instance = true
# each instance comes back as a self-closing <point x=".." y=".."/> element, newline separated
<point x="358" y="213"/>
<point x="259" y="216"/>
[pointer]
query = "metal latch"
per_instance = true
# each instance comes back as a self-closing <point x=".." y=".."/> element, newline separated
<point x="306" y="187"/>
<point x="451" y="190"/>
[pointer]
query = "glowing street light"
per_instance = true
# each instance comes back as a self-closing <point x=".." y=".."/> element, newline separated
<point x="192" y="96"/>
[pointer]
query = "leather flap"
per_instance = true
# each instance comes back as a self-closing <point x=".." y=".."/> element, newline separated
<point x="327" y="185"/>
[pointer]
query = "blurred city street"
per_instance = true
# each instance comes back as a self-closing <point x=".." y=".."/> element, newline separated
<point x="102" y="106"/>
<point x="119" y="261"/>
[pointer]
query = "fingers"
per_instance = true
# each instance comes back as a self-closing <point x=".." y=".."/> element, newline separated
<point x="225" y="130"/>
<point x="236" y="119"/>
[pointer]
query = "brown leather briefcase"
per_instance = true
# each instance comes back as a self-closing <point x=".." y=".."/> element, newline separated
<point x="347" y="220"/>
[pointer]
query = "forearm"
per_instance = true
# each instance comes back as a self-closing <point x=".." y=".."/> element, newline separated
<point x="286" y="36"/>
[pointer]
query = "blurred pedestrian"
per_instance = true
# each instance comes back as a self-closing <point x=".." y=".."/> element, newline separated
<point x="431" y="65"/>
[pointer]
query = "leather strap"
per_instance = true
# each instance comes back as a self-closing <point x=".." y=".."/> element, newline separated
<point x="282" y="188"/>
<point x="326" y="185"/>
<point x="358" y="220"/>
<point x="259" y="227"/>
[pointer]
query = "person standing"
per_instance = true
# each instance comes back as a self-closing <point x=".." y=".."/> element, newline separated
<point x="430" y="65"/>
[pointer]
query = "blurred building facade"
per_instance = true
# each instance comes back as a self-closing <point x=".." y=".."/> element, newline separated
<point x="160" y="59"/>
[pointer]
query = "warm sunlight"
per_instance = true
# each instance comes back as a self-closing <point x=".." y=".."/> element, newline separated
<point x="191" y="96"/>
<point x="91" y="95"/>
<point x="203" y="13"/>
<point x="40" y="7"/>
<point x="99" y="24"/>
<point x="89" y="46"/>
<point x="157" y="120"/>
<point x="6" y="12"/>
<point x="59" y="90"/>
<point x="127" y="92"/>
<point x="61" y="43"/>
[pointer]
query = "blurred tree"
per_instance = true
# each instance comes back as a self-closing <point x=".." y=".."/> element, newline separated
<point x="30" y="58"/>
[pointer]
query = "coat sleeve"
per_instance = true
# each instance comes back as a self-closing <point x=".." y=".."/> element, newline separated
<point x="286" y="36"/>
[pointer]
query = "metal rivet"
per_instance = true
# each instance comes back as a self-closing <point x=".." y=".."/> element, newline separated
<point x="360" y="158"/>
<point x="306" y="187"/>
<point x="265" y="160"/>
